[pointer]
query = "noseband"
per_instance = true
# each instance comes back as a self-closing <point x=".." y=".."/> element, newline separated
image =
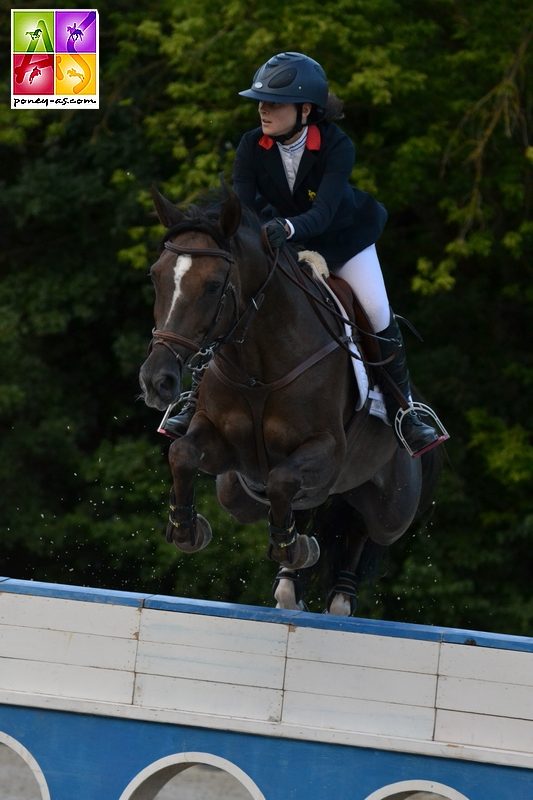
<point x="168" y="338"/>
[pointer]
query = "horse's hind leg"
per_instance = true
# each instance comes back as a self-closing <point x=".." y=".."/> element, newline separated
<point x="343" y="539"/>
<point x="388" y="504"/>
<point x="342" y="597"/>
<point x="386" y="507"/>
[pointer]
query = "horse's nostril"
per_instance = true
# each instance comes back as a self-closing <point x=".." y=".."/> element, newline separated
<point x="168" y="382"/>
<point x="167" y="386"/>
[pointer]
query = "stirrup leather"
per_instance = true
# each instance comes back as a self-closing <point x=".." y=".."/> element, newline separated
<point x="426" y="411"/>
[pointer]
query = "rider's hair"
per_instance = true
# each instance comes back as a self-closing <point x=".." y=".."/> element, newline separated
<point x="334" y="108"/>
<point x="332" y="111"/>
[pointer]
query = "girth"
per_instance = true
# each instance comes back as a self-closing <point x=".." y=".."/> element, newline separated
<point x="256" y="395"/>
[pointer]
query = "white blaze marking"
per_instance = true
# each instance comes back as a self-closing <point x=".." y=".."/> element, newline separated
<point x="183" y="264"/>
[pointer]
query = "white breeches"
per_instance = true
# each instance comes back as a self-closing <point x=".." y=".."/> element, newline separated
<point x="363" y="273"/>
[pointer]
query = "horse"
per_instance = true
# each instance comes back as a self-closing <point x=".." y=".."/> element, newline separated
<point x="74" y="32"/>
<point x="34" y="74"/>
<point x="276" y="419"/>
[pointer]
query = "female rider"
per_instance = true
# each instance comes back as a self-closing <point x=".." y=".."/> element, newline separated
<point x="294" y="170"/>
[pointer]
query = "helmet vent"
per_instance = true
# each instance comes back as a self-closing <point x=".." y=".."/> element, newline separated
<point x="282" y="79"/>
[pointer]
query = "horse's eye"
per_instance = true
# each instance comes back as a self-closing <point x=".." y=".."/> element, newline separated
<point x="212" y="287"/>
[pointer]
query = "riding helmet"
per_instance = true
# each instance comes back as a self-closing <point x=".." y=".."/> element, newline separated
<point x="289" y="78"/>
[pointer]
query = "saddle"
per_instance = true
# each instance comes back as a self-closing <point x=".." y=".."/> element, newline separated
<point x="348" y="300"/>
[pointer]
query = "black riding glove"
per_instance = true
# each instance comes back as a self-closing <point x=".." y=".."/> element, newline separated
<point x="276" y="232"/>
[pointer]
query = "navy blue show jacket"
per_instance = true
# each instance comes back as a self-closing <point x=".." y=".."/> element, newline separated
<point x="328" y="214"/>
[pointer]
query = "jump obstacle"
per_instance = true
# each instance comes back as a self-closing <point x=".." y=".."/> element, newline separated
<point x="107" y="695"/>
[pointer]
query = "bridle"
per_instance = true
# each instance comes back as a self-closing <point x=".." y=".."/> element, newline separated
<point x="170" y="340"/>
<point x="199" y="251"/>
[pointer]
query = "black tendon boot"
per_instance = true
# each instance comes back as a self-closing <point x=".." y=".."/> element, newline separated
<point x="177" y="426"/>
<point x="416" y="435"/>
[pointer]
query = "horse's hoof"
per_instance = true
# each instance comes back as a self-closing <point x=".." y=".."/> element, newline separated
<point x="202" y="536"/>
<point x="306" y="553"/>
<point x="285" y="594"/>
<point x="341" y="605"/>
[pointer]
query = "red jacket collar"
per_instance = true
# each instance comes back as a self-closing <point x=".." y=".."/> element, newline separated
<point x="266" y="142"/>
<point x="313" y="138"/>
<point x="312" y="142"/>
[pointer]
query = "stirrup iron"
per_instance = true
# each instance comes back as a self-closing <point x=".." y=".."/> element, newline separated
<point x="182" y="400"/>
<point x="426" y="411"/>
<point x="166" y="415"/>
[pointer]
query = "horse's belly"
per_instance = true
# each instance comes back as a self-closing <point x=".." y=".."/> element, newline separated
<point x="302" y="501"/>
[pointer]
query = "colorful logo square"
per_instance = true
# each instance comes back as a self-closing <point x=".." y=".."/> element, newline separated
<point x="33" y="31"/>
<point x="33" y="74"/>
<point x="54" y="58"/>
<point x="75" y="32"/>
<point x="75" y="74"/>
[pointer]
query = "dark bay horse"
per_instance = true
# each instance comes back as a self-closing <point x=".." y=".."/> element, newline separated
<point x="275" y="420"/>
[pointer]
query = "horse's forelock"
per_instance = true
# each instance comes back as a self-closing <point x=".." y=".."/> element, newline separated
<point x="205" y="220"/>
<point x="197" y="220"/>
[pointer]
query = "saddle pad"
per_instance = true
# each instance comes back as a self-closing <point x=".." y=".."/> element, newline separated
<point x="359" y="368"/>
<point x="343" y="297"/>
<point x="377" y="403"/>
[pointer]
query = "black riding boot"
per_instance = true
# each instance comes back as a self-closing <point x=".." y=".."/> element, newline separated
<point x="415" y="435"/>
<point x="177" y="426"/>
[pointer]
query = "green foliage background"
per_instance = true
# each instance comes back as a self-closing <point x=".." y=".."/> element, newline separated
<point x="437" y="102"/>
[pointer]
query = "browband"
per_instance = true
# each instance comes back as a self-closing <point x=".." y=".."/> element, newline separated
<point x="199" y="251"/>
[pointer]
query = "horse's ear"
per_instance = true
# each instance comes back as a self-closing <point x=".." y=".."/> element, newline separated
<point x="167" y="212"/>
<point x="230" y="213"/>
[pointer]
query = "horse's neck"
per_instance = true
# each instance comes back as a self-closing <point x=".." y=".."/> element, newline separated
<point x="283" y="332"/>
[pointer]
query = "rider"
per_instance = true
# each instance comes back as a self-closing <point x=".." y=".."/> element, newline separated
<point x="294" y="170"/>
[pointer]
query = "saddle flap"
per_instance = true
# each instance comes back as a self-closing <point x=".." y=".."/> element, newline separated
<point x="355" y="313"/>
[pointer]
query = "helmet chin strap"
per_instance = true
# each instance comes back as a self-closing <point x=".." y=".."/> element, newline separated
<point x="297" y="127"/>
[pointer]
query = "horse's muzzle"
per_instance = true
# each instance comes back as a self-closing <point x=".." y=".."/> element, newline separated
<point x="160" y="381"/>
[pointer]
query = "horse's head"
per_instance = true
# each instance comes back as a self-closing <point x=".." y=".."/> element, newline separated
<point x="194" y="292"/>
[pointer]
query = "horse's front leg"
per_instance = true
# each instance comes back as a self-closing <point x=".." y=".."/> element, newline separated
<point x="289" y="589"/>
<point x="312" y="467"/>
<point x="187" y="529"/>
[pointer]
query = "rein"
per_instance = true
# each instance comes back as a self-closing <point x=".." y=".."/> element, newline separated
<point x="297" y="279"/>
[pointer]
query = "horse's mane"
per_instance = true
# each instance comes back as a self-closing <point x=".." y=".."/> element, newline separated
<point x="203" y="216"/>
